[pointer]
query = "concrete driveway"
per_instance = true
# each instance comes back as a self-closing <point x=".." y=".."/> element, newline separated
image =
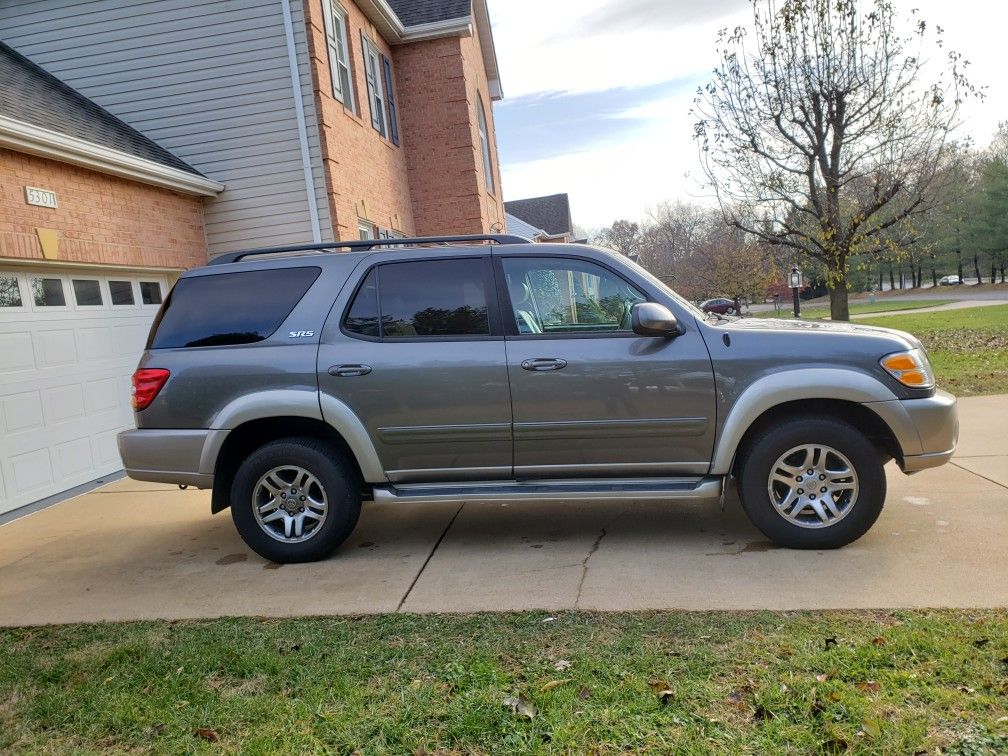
<point x="131" y="550"/>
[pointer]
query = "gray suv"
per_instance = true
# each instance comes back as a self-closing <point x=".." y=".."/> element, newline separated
<point x="297" y="383"/>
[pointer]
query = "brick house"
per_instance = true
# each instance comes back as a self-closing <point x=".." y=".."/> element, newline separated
<point x="137" y="141"/>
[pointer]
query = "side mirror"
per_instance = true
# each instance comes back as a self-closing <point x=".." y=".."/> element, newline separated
<point x="653" y="319"/>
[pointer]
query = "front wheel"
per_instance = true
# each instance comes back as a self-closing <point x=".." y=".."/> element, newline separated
<point x="814" y="483"/>
<point x="295" y="500"/>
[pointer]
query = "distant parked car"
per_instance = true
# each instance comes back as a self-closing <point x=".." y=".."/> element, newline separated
<point x="949" y="281"/>
<point x="721" y="305"/>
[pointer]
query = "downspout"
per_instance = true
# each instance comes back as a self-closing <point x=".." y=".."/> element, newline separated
<point x="302" y="129"/>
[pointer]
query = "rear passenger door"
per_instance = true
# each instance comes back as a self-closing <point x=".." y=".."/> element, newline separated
<point x="417" y="352"/>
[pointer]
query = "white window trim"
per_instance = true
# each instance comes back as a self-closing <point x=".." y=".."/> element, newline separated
<point x="337" y="22"/>
<point x="484" y="135"/>
<point x="68" y="296"/>
<point x="375" y="86"/>
<point x="102" y="291"/>
<point x="366" y="226"/>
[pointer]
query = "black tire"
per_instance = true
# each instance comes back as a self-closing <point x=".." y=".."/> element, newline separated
<point x="334" y="473"/>
<point x="729" y="311"/>
<point x="763" y="451"/>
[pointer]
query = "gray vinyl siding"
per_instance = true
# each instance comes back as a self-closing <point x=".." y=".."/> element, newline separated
<point x="209" y="80"/>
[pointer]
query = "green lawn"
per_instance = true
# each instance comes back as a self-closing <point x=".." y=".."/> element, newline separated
<point x="968" y="347"/>
<point x="821" y="312"/>
<point x="883" y="682"/>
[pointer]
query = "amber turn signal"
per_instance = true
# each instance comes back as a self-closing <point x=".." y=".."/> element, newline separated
<point x="909" y="368"/>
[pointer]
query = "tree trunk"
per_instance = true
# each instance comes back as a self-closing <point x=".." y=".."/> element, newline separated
<point x="880" y="277"/>
<point x="934" y="276"/>
<point x="839" y="309"/>
<point x="976" y="267"/>
<point x="959" y="268"/>
<point x="993" y="271"/>
<point x="892" y="282"/>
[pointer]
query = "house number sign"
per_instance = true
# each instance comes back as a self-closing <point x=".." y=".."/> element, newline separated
<point x="40" y="197"/>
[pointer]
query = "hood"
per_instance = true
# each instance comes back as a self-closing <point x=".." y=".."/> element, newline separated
<point x="785" y="326"/>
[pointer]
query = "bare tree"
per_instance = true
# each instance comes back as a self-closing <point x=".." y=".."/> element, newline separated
<point x="671" y="234"/>
<point x="623" y="236"/>
<point x="816" y="100"/>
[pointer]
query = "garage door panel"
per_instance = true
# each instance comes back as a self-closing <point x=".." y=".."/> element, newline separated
<point x="65" y="385"/>
<point x="102" y="395"/>
<point x="17" y="353"/>
<point x="95" y="342"/>
<point x="63" y="403"/>
<point x="22" y="411"/>
<point x="31" y="470"/>
<point x="73" y="457"/>
<point x="56" y="347"/>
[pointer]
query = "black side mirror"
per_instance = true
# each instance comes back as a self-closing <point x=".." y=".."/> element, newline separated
<point x="653" y="319"/>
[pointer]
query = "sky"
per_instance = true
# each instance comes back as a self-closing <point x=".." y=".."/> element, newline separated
<point x="597" y="93"/>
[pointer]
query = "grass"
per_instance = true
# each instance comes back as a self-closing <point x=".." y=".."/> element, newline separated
<point x="883" y="682"/>
<point x="968" y="348"/>
<point x="822" y="312"/>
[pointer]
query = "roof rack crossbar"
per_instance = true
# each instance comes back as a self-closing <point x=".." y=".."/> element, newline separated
<point x="367" y="245"/>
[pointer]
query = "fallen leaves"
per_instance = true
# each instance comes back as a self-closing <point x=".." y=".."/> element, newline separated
<point x="561" y="665"/>
<point x="521" y="706"/>
<point x="553" y="684"/>
<point x="869" y="686"/>
<point x="661" y="689"/>
<point x="207" y="734"/>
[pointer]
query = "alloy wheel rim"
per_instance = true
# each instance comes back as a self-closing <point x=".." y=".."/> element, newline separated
<point x="290" y="504"/>
<point x="813" y="486"/>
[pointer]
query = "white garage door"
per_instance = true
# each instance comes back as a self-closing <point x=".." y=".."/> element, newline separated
<point x="69" y="342"/>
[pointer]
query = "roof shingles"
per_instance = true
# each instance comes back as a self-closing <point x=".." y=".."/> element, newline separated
<point x="414" y="12"/>
<point x="550" y="213"/>
<point x="30" y="94"/>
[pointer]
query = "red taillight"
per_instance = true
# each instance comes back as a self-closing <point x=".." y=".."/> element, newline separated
<point x="146" y="384"/>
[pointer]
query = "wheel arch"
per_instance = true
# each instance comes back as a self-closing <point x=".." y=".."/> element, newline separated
<point x="846" y="394"/>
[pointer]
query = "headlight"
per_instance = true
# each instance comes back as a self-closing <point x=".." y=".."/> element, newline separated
<point x="910" y="368"/>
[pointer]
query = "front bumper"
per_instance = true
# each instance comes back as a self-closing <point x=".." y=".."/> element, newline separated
<point x="167" y="456"/>
<point x="937" y="422"/>
<point x="926" y="430"/>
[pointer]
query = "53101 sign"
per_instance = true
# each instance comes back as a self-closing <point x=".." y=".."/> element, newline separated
<point x="40" y="197"/>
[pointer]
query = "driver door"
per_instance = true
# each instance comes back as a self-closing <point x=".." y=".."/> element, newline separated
<point x="589" y="397"/>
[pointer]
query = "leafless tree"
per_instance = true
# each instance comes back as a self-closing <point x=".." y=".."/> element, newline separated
<point x="671" y="233"/>
<point x="622" y="236"/>
<point x="825" y="126"/>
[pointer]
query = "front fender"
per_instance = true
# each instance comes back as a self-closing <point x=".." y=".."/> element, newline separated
<point x="795" y="385"/>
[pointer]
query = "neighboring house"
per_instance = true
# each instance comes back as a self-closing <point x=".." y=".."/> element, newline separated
<point x="548" y="217"/>
<point x="139" y="140"/>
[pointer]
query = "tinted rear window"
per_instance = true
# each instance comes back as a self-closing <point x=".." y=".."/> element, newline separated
<point x="229" y="308"/>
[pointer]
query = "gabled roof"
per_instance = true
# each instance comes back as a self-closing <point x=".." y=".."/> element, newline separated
<point x="414" y="12"/>
<point x="551" y="213"/>
<point x="31" y="95"/>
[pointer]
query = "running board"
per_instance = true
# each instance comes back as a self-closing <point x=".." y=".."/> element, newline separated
<point x="637" y="489"/>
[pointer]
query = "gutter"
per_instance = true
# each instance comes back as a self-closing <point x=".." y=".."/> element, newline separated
<point x="36" y="140"/>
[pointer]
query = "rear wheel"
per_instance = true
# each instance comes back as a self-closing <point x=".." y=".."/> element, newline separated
<point x="815" y="483"/>
<point x="295" y="500"/>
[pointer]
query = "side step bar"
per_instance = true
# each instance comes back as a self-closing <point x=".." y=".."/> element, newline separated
<point x="637" y="489"/>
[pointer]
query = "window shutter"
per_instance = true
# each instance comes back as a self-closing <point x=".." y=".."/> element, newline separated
<point x="369" y="75"/>
<point x="390" y="99"/>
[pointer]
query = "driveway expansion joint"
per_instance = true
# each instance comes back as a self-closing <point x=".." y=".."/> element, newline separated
<point x="974" y="472"/>
<point x="429" y="557"/>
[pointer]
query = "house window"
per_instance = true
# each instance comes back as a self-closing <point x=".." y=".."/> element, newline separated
<point x="484" y="136"/>
<point x="366" y="229"/>
<point x="339" y="52"/>
<point x="375" y="85"/>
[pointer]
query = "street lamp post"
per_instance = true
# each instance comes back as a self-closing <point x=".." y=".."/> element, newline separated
<point x="795" y="286"/>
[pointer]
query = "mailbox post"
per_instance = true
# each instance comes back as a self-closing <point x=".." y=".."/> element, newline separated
<point x="795" y="287"/>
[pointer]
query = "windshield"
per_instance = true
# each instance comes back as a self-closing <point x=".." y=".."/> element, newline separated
<point x="693" y="309"/>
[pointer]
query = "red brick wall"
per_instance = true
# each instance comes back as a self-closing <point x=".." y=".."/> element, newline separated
<point x="365" y="173"/>
<point x="433" y="183"/>
<point x="100" y="218"/>
<point x="439" y="80"/>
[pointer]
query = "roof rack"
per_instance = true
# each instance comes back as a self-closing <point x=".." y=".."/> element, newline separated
<point x="369" y="244"/>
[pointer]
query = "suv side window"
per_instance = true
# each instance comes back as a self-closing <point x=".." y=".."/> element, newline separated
<point x="229" y="308"/>
<point x="562" y="296"/>
<point x="425" y="298"/>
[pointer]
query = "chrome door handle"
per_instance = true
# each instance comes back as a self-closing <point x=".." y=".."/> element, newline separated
<point x="542" y="364"/>
<point x="349" y="371"/>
